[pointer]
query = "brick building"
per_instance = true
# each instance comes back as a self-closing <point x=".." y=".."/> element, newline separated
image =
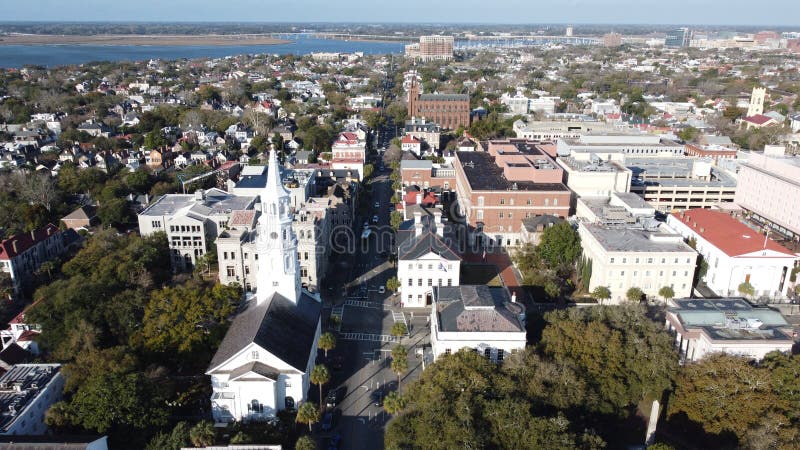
<point x="500" y="187"/>
<point x="447" y="110"/>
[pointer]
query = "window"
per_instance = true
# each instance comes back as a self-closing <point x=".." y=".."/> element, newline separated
<point x="231" y="271"/>
<point x="647" y="273"/>
<point x="624" y="260"/>
<point x="479" y="215"/>
<point x="686" y="273"/>
<point x="247" y="270"/>
<point x="663" y="260"/>
<point x="255" y="407"/>
<point x="649" y="260"/>
<point x="547" y="202"/>
<point x="637" y="261"/>
<point x="622" y="273"/>
<point x="528" y="202"/>
<point x="510" y="215"/>
<point x="500" y="355"/>
<point x="502" y="214"/>
<point x="511" y="201"/>
<point x="502" y="201"/>
<point x="411" y="267"/>
<point x="430" y="266"/>
<point x="635" y="273"/>
<point x="410" y="297"/>
<point x="661" y="273"/>
<point x="419" y="282"/>
<point x="430" y="281"/>
<point x="480" y="201"/>
<point x="612" y="260"/>
<point x="410" y="282"/>
<point x="449" y="281"/>
<point x="447" y="351"/>
<point x="440" y="281"/>
<point x="555" y="202"/>
<point x="253" y="355"/>
<point x="487" y="353"/>
<point x="156" y="224"/>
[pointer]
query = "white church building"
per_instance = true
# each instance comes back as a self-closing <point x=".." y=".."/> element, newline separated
<point x="264" y="362"/>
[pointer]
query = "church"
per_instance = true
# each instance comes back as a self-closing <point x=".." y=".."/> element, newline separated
<point x="264" y="362"/>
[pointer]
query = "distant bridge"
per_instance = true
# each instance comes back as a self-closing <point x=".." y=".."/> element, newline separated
<point x="477" y="42"/>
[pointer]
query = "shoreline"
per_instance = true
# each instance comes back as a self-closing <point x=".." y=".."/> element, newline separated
<point x="220" y="40"/>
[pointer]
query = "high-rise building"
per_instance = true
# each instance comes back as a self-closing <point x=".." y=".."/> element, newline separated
<point x="569" y="31"/>
<point x="431" y="48"/>
<point x="612" y="40"/>
<point x="678" y="38"/>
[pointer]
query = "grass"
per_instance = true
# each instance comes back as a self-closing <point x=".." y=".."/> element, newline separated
<point x="480" y="274"/>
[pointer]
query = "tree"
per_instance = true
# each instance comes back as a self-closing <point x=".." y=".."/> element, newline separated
<point x="368" y="169"/>
<point x="634" y="294"/>
<point x="114" y="212"/>
<point x="178" y="438"/>
<point x="320" y="375"/>
<point x="305" y="443"/>
<point x="394" y="402"/>
<point x="746" y="289"/>
<point x="308" y="414"/>
<point x="155" y="139"/>
<point x="601" y="293"/>
<point x="327" y="341"/>
<point x="399" y="330"/>
<point x="37" y="189"/>
<point x="399" y="361"/>
<point x="139" y="181"/>
<point x="666" y="293"/>
<point x="393" y="284"/>
<point x="277" y="142"/>
<point x="203" y="434"/>
<point x="395" y="219"/>
<point x="559" y="246"/>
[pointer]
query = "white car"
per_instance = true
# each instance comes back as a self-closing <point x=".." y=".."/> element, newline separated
<point x="376" y="205"/>
<point x="382" y="290"/>
<point x="374" y="219"/>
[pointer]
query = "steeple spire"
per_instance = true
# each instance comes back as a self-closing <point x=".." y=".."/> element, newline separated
<point x="277" y="244"/>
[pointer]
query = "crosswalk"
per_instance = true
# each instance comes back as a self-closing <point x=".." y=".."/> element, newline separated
<point x="362" y="304"/>
<point x="367" y="337"/>
<point x="398" y="316"/>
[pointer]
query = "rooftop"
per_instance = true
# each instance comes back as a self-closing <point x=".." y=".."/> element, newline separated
<point x="484" y="175"/>
<point x="635" y="240"/>
<point x="214" y="202"/>
<point x="19" y="387"/>
<point x="726" y="233"/>
<point x="678" y="172"/>
<point x="20" y="243"/>
<point x="731" y="319"/>
<point x="478" y="309"/>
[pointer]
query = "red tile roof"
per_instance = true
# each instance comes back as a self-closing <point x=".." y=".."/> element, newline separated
<point x="410" y="140"/>
<point x="758" y="119"/>
<point x="726" y="233"/>
<point x="25" y="241"/>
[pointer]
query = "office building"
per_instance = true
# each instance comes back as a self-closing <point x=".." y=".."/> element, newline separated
<point x="680" y="37"/>
<point x="26" y="392"/>
<point x="431" y="48"/>
<point x="769" y="189"/>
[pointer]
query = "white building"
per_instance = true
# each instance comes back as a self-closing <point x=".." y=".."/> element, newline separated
<point x="769" y="188"/>
<point x="736" y="253"/>
<point x="263" y="363"/>
<point x="26" y="392"/>
<point x="596" y="177"/>
<point x="484" y="319"/>
<point x="191" y="221"/>
<point x="648" y="258"/>
<point x="21" y="255"/>
<point x="349" y="153"/>
<point x="726" y="325"/>
<point x="614" y="146"/>
<point x="424" y="259"/>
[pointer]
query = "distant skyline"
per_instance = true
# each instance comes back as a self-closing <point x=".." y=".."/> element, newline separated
<point x="765" y="13"/>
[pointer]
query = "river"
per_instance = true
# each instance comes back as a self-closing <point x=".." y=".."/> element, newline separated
<point x="15" y="56"/>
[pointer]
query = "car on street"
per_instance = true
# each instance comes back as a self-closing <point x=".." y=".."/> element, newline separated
<point x="376" y="205"/>
<point x="382" y="290"/>
<point x="391" y="207"/>
<point x="327" y="421"/>
<point x="377" y="397"/>
<point x="332" y="398"/>
<point x="365" y="234"/>
<point x="374" y="219"/>
<point x="366" y="224"/>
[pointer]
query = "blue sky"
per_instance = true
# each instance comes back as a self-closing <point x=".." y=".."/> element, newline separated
<point x="721" y="12"/>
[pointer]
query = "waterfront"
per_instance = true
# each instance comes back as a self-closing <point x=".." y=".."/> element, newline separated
<point x="15" y="56"/>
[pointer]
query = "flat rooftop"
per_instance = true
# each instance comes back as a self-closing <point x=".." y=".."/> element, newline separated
<point x="19" y="387"/>
<point x="616" y="239"/>
<point x="731" y="319"/>
<point x="484" y="175"/>
<point x="591" y="166"/>
<point x="673" y="172"/>
<point x="216" y="202"/>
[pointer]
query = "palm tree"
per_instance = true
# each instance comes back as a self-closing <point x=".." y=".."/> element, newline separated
<point x="319" y="376"/>
<point x="305" y="443"/>
<point x="399" y="329"/>
<point x="327" y="342"/>
<point x="203" y="434"/>
<point x="634" y="294"/>
<point x="394" y="402"/>
<point x="666" y="292"/>
<point x="601" y="293"/>
<point x="399" y="361"/>
<point x="307" y="413"/>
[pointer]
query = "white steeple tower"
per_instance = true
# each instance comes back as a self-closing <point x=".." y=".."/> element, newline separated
<point x="277" y="243"/>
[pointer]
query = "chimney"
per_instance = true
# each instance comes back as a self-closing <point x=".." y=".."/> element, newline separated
<point x="419" y="199"/>
<point x="437" y="219"/>
<point x="513" y="297"/>
<point x="417" y="217"/>
<point x="33" y="235"/>
<point x="14" y="245"/>
<point x="417" y="229"/>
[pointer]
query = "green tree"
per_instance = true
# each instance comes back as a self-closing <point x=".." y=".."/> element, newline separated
<point x="395" y="219"/>
<point x="305" y="443"/>
<point x="666" y="293"/>
<point x="277" y="142"/>
<point x="634" y="294"/>
<point x="178" y="438"/>
<point x="746" y="289"/>
<point x="115" y="212"/>
<point x="327" y="341"/>
<point x="320" y="375"/>
<point x="688" y="134"/>
<point x="601" y="293"/>
<point x="139" y="181"/>
<point x="399" y="361"/>
<point x="308" y="414"/>
<point x="559" y="246"/>
<point x="368" y="170"/>
<point x="203" y="434"/>
<point x="155" y="139"/>
<point x="399" y="330"/>
<point x="394" y="403"/>
<point x="393" y="284"/>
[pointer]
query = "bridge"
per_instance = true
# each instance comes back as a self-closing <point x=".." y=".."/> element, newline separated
<point x="478" y="42"/>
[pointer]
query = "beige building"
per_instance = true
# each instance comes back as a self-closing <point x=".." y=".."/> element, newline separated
<point x="431" y="48"/>
<point x="769" y="188"/>
<point x="596" y="177"/>
<point x="648" y="257"/>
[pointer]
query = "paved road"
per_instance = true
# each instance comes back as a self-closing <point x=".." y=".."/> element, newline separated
<point x="365" y="363"/>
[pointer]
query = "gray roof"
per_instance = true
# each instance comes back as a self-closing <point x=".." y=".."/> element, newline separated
<point x="445" y="97"/>
<point x="483" y="174"/>
<point x="86" y="212"/>
<point x="731" y="319"/>
<point x="410" y="246"/>
<point x="277" y="325"/>
<point x="477" y="309"/>
<point x="216" y="202"/>
<point x="255" y="367"/>
<point x="636" y="240"/>
<point x="32" y="380"/>
<point x="416" y="164"/>
<point x="532" y="223"/>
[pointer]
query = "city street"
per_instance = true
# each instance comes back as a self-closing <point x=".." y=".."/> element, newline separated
<point x="364" y="342"/>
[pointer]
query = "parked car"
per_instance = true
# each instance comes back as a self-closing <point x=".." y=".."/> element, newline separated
<point x="374" y="219"/>
<point x="377" y="397"/>
<point x="332" y="398"/>
<point x="327" y="421"/>
<point x="382" y="290"/>
<point x="376" y="205"/>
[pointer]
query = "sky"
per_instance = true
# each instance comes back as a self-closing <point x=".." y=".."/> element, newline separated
<point x="688" y="12"/>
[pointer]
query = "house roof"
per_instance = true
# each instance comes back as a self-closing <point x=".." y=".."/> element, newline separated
<point x="408" y="139"/>
<point x="758" y="119"/>
<point x="255" y="367"/>
<point x="477" y="309"/>
<point x="410" y="246"/>
<point x="726" y="233"/>
<point x="278" y="326"/>
<point x="14" y="354"/>
<point x="85" y="212"/>
<point x="25" y="241"/>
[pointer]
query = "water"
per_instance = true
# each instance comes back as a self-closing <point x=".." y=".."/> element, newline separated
<point x="58" y="55"/>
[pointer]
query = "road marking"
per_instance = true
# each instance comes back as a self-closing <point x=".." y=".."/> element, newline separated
<point x="367" y="337"/>
<point x="398" y="316"/>
<point x="360" y="304"/>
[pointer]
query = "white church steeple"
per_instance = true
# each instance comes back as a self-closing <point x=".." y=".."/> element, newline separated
<point x="277" y="244"/>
